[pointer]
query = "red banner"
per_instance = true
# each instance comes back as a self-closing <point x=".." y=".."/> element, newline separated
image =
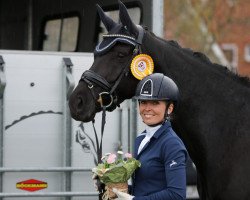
<point x="31" y="185"/>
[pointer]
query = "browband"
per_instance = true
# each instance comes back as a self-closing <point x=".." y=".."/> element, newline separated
<point x="138" y="40"/>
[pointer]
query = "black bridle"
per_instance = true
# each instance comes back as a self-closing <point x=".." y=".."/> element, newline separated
<point x="108" y="97"/>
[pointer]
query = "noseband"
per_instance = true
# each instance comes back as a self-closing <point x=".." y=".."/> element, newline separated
<point x="91" y="78"/>
<point x="108" y="97"/>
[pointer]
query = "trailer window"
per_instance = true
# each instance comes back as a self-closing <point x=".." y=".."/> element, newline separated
<point x="134" y="13"/>
<point x="61" y="34"/>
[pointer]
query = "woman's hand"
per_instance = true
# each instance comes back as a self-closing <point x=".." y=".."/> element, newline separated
<point x="122" y="195"/>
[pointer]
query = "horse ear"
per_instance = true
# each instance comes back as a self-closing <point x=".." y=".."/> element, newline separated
<point x="126" y="20"/>
<point x="107" y="21"/>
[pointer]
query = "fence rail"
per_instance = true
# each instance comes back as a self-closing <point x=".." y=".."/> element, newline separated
<point x="49" y="194"/>
<point x="44" y="169"/>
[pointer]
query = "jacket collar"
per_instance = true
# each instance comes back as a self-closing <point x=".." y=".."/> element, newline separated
<point x="166" y="125"/>
<point x="156" y="135"/>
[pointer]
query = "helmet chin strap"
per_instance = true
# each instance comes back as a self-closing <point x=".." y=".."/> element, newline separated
<point x="154" y="125"/>
<point x="167" y="115"/>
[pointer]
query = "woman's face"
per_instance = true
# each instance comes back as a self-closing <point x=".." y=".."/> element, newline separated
<point x="152" y="112"/>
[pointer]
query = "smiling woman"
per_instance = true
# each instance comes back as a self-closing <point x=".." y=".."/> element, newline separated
<point x="158" y="148"/>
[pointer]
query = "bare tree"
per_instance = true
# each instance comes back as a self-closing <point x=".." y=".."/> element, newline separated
<point x="200" y="24"/>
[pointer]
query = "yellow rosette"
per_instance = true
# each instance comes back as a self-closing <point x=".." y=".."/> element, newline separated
<point x="142" y="65"/>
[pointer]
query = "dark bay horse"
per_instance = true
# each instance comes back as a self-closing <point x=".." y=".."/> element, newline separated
<point x="213" y="116"/>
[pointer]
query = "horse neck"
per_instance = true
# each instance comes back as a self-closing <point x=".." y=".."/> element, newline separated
<point x="192" y="71"/>
<point x="174" y="61"/>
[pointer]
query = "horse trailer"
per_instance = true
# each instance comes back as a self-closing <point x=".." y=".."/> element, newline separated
<point x="44" y="48"/>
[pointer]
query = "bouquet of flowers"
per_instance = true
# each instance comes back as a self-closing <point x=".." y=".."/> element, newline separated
<point x="114" y="171"/>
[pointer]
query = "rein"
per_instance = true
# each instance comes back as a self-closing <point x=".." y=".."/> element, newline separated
<point x="91" y="77"/>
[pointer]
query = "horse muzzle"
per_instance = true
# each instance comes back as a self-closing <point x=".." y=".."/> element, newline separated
<point x="81" y="109"/>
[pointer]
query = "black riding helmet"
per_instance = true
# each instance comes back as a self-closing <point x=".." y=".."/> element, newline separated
<point x="157" y="87"/>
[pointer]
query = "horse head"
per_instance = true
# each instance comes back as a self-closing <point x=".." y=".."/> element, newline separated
<point x="108" y="82"/>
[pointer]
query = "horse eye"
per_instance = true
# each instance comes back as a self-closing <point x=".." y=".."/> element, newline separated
<point x="120" y="54"/>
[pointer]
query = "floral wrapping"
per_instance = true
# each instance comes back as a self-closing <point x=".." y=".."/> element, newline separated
<point x="115" y="171"/>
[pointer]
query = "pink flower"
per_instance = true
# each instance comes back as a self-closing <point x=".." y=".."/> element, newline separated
<point x="111" y="158"/>
<point x="128" y="155"/>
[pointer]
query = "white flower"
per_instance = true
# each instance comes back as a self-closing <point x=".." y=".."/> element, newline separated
<point x="94" y="170"/>
<point x="103" y="157"/>
<point x="120" y="152"/>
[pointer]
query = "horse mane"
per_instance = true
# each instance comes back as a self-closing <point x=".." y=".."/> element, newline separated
<point x="204" y="59"/>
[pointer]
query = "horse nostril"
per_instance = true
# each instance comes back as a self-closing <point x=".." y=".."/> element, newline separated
<point x="79" y="103"/>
